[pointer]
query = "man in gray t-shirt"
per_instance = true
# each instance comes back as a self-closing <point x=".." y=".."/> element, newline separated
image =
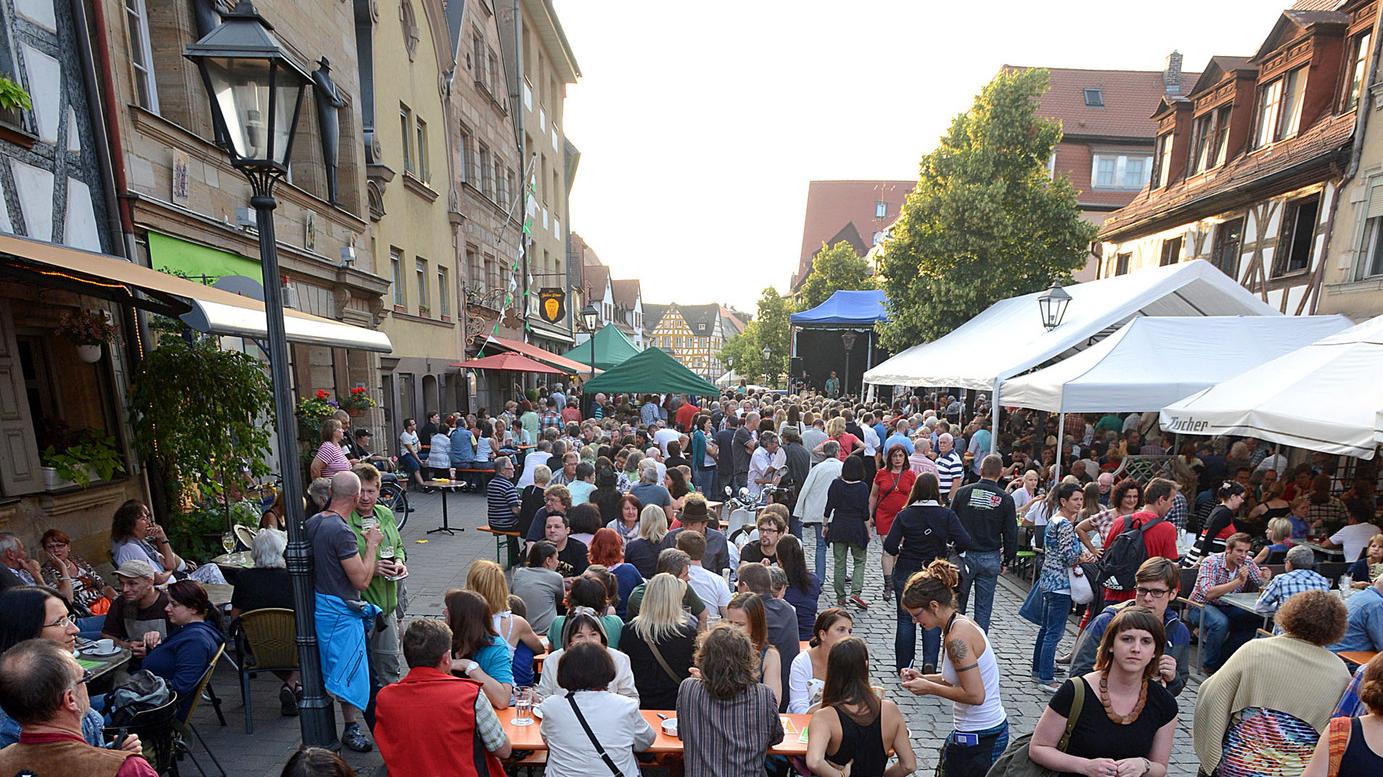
<point x="332" y="542"/>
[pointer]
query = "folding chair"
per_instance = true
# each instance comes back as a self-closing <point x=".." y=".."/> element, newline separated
<point x="185" y="723"/>
<point x="1183" y="601"/>
<point x="265" y="639"/>
<point x="157" y="731"/>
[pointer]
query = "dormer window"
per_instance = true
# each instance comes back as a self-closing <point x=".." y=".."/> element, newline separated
<point x="1358" y="67"/>
<point x="1211" y="139"/>
<point x="1162" y="160"/>
<point x="1279" y="108"/>
<point x="1094" y="98"/>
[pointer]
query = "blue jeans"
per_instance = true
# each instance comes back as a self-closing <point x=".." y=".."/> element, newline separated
<point x="1218" y="627"/>
<point x="814" y="529"/>
<point x="982" y="570"/>
<point x="905" y="635"/>
<point x="1055" y="609"/>
<point x="705" y="480"/>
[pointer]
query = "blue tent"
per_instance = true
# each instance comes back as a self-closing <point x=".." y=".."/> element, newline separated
<point x="845" y="308"/>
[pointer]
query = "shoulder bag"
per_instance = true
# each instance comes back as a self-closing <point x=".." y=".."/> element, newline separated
<point x="1015" y="761"/>
<point x="600" y="749"/>
<point x="657" y="656"/>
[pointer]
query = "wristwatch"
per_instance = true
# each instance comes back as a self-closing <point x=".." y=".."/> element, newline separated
<point x="470" y="666"/>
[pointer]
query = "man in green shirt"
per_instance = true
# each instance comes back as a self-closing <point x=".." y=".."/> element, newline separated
<point x="385" y="590"/>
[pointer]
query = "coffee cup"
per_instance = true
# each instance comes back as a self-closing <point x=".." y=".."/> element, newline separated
<point x="103" y="646"/>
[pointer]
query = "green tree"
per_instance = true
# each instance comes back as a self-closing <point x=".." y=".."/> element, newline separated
<point x="742" y="353"/>
<point x="204" y="414"/>
<point x="985" y="222"/>
<point x="774" y="331"/>
<point x="834" y="268"/>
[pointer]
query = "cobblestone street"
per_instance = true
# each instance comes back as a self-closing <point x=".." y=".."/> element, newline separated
<point x="438" y="562"/>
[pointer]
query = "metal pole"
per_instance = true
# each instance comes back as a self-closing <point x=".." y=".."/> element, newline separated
<point x="317" y="719"/>
<point x="1060" y="435"/>
<point x="994" y="419"/>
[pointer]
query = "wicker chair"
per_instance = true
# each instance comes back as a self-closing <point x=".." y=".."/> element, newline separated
<point x="181" y="745"/>
<point x="266" y="640"/>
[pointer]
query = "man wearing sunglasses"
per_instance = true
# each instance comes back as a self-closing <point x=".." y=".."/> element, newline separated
<point x="44" y="688"/>
<point x="1156" y="585"/>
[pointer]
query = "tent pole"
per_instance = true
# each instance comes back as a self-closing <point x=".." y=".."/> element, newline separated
<point x="1060" y="436"/>
<point x="994" y="419"/>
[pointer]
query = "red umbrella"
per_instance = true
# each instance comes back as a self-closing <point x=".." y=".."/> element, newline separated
<point x="508" y="361"/>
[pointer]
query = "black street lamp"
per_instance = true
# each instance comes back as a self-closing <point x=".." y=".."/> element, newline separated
<point x="256" y="93"/>
<point x="590" y="317"/>
<point x="768" y="367"/>
<point x="847" y="339"/>
<point x="1052" y="304"/>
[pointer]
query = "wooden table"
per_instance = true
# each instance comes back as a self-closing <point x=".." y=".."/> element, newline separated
<point x="104" y="669"/>
<point x="531" y="738"/>
<point x="1359" y="657"/>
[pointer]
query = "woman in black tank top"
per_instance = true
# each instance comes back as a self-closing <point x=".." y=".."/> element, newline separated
<point x="855" y="727"/>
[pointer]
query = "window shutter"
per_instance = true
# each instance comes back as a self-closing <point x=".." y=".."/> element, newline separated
<point x="19" y="462"/>
<point x="1375" y="202"/>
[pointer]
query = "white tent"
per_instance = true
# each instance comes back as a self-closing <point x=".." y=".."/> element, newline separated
<point x="1324" y="397"/>
<point x="1008" y="338"/>
<point x="1152" y="362"/>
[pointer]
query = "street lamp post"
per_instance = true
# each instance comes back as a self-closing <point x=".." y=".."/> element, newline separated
<point x="847" y="339"/>
<point x="768" y="356"/>
<point x="590" y="317"/>
<point x="1052" y="305"/>
<point x="256" y="92"/>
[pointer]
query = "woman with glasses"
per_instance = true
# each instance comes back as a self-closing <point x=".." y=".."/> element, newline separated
<point x="89" y="595"/>
<point x="1156" y="583"/>
<point x="134" y="535"/>
<point x="35" y="612"/>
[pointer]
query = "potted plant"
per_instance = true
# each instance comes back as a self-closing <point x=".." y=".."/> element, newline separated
<point x="89" y="329"/>
<point x="94" y="457"/>
<point x="357" y="402"/>
<point x="13" y="102"/>
<point x="312" y="412"/>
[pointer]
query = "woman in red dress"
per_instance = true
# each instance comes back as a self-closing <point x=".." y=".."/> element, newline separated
<point x="889" y="496"/>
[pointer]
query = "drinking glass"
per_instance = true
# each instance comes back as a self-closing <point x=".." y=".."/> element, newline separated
<point x="523" y="706"/>
<point x="228" y="541"/>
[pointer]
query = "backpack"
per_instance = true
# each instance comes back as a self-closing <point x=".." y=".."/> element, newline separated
<point x="141" y="691"/>
<point x="1125" y="554"/>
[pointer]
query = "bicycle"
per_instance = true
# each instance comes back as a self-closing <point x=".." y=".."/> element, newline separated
<point x="393" y="494"/>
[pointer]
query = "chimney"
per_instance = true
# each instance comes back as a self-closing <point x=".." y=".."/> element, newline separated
<point x="1171" y="74"/>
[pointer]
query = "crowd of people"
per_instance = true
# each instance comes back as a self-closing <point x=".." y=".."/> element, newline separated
<point x="623" y="570"/>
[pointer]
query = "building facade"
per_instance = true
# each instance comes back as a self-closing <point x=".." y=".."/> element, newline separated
<point x="57" y="186"/>
<point x="187" y="208"/>
<point x="694" y="334"/>
<point x="857" y="212"/>
<point x="1248" y="164"/>
<point x="543" y="66"/>
<point x="403" y="48"/>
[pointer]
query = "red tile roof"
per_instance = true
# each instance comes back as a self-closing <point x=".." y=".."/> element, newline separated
<point x="597" y="275"/>
<point x="834" y="205"/>
<point x="1130" y="97"/>
<point x="1316" y="5"/>
<point x="1233" y="184"/>
<point x="625" y="292"/>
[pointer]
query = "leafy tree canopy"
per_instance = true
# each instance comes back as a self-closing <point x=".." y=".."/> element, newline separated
<point x="834" y="268"/>
<point x="770" y="327"/>
<point x="985" y="222"/>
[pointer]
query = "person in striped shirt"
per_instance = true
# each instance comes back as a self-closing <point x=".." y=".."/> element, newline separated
<point x="950" y="471"/>
<point x="502" y="502"/>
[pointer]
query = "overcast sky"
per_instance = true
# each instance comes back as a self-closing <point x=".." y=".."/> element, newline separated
<point x="700" y="124"/>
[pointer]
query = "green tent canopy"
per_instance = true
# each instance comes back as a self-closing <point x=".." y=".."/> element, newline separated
<point x="612" y="349"/>
<point x="650" y="371"/>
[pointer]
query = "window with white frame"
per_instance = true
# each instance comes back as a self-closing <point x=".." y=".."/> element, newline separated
<point x="1358" y="67"/>
<point x="410" y="164"/>
<point x="880" y="209"/>
<point x="396" y="276"/>
<point x="1162" y="160"/>
<point x="1371" y="252"/>
<point x="424" y="299"/>
<point x="443" y="292"/>
<point x="1279" y="108"/>
<point x="1120" y="171"/>
<point x="141" y="55"/>
<point x="424" y="171"/>
<point x="527" y="95"/>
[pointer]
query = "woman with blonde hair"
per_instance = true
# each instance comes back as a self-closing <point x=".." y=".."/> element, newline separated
<point x="1279" y="542"/>
<point x="849" y="443"/>
<point x="643" y="551"/>
<point x="486" y="578"/>
<point x="660" y="642"/>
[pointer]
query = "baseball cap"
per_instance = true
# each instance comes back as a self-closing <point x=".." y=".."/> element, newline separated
<point x="136" y="568"/>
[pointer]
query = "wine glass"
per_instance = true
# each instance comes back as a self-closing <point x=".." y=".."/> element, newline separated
<point x="228" y="541"/>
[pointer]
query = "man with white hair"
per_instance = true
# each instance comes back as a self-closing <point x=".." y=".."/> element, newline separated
<point x="655" y="455"/>
<point x="650" y="490"/>
<point x="340" y="572"/>
<point x="1301" y="575"/>
<point x="950" y="471"/>
<point x="17" y="562"/>
<point x="598" y="412"/>
<point x="811" y="499"/>
<point x="1105" y="482"/>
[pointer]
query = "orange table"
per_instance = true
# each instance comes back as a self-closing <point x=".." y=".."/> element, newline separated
<point x="1359" y="657"/>
<point x="530" y="738"/>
